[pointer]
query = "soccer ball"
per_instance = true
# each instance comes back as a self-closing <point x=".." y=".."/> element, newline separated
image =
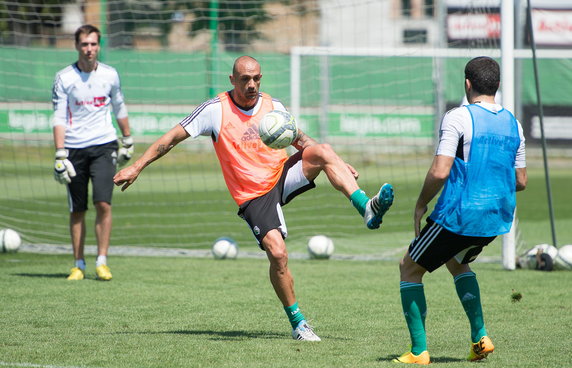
<point x="278" y="129"/>
<point x="320" y="247"/>
<point x="563" y="260"/>
<point x="9" y="240"/>
<point x="224" y="248"/>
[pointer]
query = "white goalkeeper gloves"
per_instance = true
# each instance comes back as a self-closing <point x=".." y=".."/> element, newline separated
<point x="125" y="151"/>
<point x="63" y="168"/>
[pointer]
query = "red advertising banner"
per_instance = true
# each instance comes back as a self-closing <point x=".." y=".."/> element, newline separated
<point x="473" y="26"/>
<point x="552" y="27"/>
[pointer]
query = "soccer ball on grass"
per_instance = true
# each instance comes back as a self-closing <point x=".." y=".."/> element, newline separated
<point x="320" y="247"/>
<point x="10" y="241"/>
<point x="278" y="129"/>
<point x="563" y="260"/>
<point x="224" y="248"/>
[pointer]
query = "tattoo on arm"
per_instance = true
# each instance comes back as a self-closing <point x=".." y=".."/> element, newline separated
<point x="162" y="149"/>
<point x="303" y="141"/>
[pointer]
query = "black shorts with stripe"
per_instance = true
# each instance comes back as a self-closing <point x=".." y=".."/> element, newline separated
<point x="435" y="245"/>
<point x="264" y="213"/>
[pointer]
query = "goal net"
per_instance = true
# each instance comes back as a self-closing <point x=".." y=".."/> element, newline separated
<point x="372" y="78"/>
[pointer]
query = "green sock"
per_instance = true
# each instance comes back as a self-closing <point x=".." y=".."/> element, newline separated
<point x="294" y="314"/>
<point x="415" y="309"/>
<point x="470" y="297"/>
<point x="359" y="200"/>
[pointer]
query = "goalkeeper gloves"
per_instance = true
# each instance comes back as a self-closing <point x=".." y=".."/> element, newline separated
<point x="125" y="151"/>
<point x="63" y="168"/>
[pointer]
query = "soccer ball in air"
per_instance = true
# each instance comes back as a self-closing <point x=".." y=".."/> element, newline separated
<point x="9" y="240"/>
<point x="224" y="248"/>
<point x="563" y="260"/>
<point x="320" y="247"/>
<point x="278" y="129"/>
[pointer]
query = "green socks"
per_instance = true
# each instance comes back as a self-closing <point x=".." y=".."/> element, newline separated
<point x="415" y="310"/>
<point x="470" y="297"/>
<point x="294" y="314"/>
<point x="359" y="200"/>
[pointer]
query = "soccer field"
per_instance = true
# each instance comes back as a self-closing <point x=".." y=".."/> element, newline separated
<point x="371" y="78"/>
<point x="198" y="312"/>
<point x="191" y="312"/>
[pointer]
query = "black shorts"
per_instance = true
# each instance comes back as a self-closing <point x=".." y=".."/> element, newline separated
<point x="436" y="245"/>
<point x="97" y="163"/>
<point x="264" y="213"/>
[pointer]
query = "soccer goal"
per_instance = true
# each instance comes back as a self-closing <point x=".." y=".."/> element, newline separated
<point x="370" y="77"/>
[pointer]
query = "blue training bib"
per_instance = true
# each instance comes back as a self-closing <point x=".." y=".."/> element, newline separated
<point x="479" y="196"/>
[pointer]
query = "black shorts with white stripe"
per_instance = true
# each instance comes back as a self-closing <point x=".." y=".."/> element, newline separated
<point x="435" y="245"/>
<point x="265" y="212"/>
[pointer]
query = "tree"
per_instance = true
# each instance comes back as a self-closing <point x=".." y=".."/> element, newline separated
<point x="237" y="21"/>
<point x="24" y="21"/>
<point x="129" y="17"/>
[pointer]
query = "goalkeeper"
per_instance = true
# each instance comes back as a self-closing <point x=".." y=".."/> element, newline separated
<point x="480" y="164"/>
<point x="261" y="180"/>
<point x="86" y="144"/>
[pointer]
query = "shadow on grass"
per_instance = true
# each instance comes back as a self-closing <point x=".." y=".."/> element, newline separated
<point x="389" y="358"/>
<point x="62" y="276"/>
<point x="230" y="335"/>
<point x="43" y="275"/>
<point x="226" y="335"/>
<point x="216" y="335"/>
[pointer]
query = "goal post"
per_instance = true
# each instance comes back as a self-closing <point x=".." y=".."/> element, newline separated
<point x="507" y="87"/>
<point x="372" y="78"/>
<point x="507" y="54"/>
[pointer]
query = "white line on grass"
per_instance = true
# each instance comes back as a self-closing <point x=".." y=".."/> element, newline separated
<point x="394" y="254"/>
<point x="32" y="365"/>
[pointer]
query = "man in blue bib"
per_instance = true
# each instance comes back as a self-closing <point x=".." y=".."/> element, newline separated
<point x="480" y="163"/>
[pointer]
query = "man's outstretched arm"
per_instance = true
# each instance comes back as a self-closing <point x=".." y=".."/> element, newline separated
<point x="158" y="149"/>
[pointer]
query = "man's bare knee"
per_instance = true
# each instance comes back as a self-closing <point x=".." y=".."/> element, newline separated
<point x="278" y="256"/>
<point x="275" y="249"/>
<point x="410" y="271"/>
<point x="455" y="268"/>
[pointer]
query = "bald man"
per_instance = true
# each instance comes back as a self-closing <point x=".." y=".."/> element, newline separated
<point x="261" y="180"/>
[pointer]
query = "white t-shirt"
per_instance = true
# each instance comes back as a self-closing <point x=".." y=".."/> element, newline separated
<point x="82" y="104"/>
<point x="207" y="118"/>
<point x="457" y="124"/>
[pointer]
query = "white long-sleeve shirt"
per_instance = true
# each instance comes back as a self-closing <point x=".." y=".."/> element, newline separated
<point x="82" y="104"/>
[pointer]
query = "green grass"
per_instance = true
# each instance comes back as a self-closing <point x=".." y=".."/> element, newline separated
<point x="185" y="312"/>
<point x="189" y="312"/>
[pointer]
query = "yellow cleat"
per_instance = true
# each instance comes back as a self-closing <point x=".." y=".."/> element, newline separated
<point x="481" y="349"/>
<point x="103" y="273"/>
<point x="76" y="274"/>
<point x="410" y="358"/>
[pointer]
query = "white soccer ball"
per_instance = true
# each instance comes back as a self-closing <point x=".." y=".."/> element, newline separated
<point x="320" y="247"/>
<point x="10" y="240"/>
<point x="563" y="260"/>
<point x="278" y="129"/>
<point x="224" y="248"/>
